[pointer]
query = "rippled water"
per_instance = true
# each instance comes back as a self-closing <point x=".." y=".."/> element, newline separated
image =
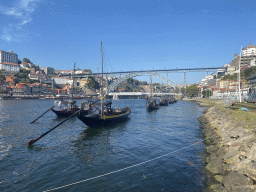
<point x="151" y="151"/>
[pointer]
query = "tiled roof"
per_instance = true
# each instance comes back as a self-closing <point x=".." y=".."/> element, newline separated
<point x="250" y="46"/>
<point x="10" y="63"/>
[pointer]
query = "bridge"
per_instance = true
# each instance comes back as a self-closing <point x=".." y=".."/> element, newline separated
<point x="155" y="73"/>
<point x="207" y="69"/>
<point x="130" y="95"/>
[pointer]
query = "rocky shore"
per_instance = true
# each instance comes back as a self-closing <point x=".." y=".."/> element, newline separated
<point x="231" y="147"/>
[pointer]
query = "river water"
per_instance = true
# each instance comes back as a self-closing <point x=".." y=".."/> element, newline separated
<point x="152" y="151"/>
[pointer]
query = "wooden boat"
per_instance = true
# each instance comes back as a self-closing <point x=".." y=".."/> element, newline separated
<point x="109" y="116"/>
<point x="102" y="113"/>
<point x="163" y="102"/>
<point x="152" y="105"/>
<point x="68" y="108"/>
<point x="172" y="100"/>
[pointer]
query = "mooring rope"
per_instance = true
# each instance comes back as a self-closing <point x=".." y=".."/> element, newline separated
<point x="133" y="165"/>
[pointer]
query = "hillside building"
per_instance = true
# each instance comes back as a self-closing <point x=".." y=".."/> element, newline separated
<point x="8" y="57"/>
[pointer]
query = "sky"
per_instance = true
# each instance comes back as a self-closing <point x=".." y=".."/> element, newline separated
<point x="136" y="34"/>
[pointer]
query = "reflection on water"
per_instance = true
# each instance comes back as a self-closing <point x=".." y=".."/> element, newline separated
<point x="74" y="152"/>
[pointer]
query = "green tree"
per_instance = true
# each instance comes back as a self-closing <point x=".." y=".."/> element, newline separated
<point x="2" y="77"/>
<point x="26" y="60"/>
<point x="206" y="93"/>
<point x="192" y="90"/>
<point x="176" y="90"/>
<point x="87" y="71"/>
<point x="183" y="90"/>
<point x="231" y="77"/>
<point x="248" y="72"/>
<point x="3" y="91"/>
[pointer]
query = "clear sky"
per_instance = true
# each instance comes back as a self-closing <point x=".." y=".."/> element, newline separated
<point x="136" y="34"/>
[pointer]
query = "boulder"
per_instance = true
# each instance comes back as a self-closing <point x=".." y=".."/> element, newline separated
<point x="243" y="188"/>
<point x="215" y="166"/>
<point x="217" y="188"/>
<point x="218" y="178"/>
<point x="235" y="179"/>
<point x="211" y="149"/>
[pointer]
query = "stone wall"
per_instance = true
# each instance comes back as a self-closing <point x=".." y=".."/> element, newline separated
<point x="231" y="151"/>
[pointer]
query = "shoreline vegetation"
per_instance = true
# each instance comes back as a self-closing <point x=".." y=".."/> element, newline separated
<point x="231" y="145"/>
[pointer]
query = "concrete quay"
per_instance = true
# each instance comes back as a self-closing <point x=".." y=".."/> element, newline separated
<point x="231" y="151"/>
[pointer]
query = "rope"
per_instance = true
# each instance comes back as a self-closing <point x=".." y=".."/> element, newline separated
<point x="132" y="165"/>
<point x="119" y="169"/>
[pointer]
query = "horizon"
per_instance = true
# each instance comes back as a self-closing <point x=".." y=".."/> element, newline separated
<point x="145" y="35"/>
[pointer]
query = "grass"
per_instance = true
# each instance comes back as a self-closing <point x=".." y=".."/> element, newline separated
<point x="248" y="119"/>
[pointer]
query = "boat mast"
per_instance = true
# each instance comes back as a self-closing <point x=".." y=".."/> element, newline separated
<point x="240" y="77"/>
<point x="101" y="88"/>
<point x="151" y="86"/>
<point x="72" y="97"/>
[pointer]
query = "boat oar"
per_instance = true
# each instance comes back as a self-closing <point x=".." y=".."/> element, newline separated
<point x="42" y="114"/>
<point x="36" y="139"/>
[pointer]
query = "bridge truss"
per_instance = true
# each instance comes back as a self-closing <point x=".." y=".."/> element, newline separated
<point x="120" y="80"/>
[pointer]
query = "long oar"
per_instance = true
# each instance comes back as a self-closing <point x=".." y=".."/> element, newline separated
<point x="36" y="139"/>
<point x="43" y="114"/>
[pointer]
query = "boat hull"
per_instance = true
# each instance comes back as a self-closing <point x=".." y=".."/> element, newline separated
<point x="151" y="107"/>
<point x="163" y="103"/>
<point x="95" y="120"/>
<point x="67" y="113"/>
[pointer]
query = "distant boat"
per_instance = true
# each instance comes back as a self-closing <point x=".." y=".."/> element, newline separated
<point x="152" y="105"/>
<point x="151" y="102"/>
<point x="103" y="113"/>
<point x="163" y="101"/>
<point x="67" y="108"/>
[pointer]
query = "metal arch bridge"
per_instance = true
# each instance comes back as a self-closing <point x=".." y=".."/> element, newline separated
<point x="118" y="81"/>
<point x="208" y="69"/>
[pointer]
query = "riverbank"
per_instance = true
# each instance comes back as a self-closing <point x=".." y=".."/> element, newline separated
<point x="231" y="151"/>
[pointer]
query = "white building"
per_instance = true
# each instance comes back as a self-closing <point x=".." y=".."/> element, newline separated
<point x="249" y="50"/>
<point x="10" y="67"/>
<point x="62" y="80"/>
<point x="8" y="57"/>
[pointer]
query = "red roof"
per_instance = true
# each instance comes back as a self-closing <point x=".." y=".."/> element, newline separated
<point x="250" y="46"/>
<point x="10" y="63"/>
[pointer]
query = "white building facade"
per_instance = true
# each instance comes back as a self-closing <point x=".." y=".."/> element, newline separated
<point x="10" y="67"/>
<point x="8" y="57"/>
<point x="249" y="50"/>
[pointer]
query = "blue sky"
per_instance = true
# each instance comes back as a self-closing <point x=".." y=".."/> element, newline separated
<point x="136" y="35"/>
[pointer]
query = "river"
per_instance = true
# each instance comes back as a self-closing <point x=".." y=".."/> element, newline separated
<point x="161" y="150"/>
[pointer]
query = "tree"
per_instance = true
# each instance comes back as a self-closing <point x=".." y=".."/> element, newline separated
<point x="2" y="77"/>
<point x="176" y="90"/>
<point x="3" y="91"/>
<point x="87" y="71"/>
<point x="183" y="90"/>
<point x="26" y="60"/>
<point x="192" y="90"/>
<point x="206" y="93"/>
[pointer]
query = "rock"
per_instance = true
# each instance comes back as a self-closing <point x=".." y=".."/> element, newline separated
<point x="222" y="151"/>
<point x="211" y="149"/>
<point x="212" y="157"/>
<point x="215" y="166"/>
<point x="235" y="179"/>
<point x="217" y="188"/>
<point x="241" y="140"/>
<point x="250" y="170"/>
<point x="218" y="178"/>
<point x="246" y="188"/>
